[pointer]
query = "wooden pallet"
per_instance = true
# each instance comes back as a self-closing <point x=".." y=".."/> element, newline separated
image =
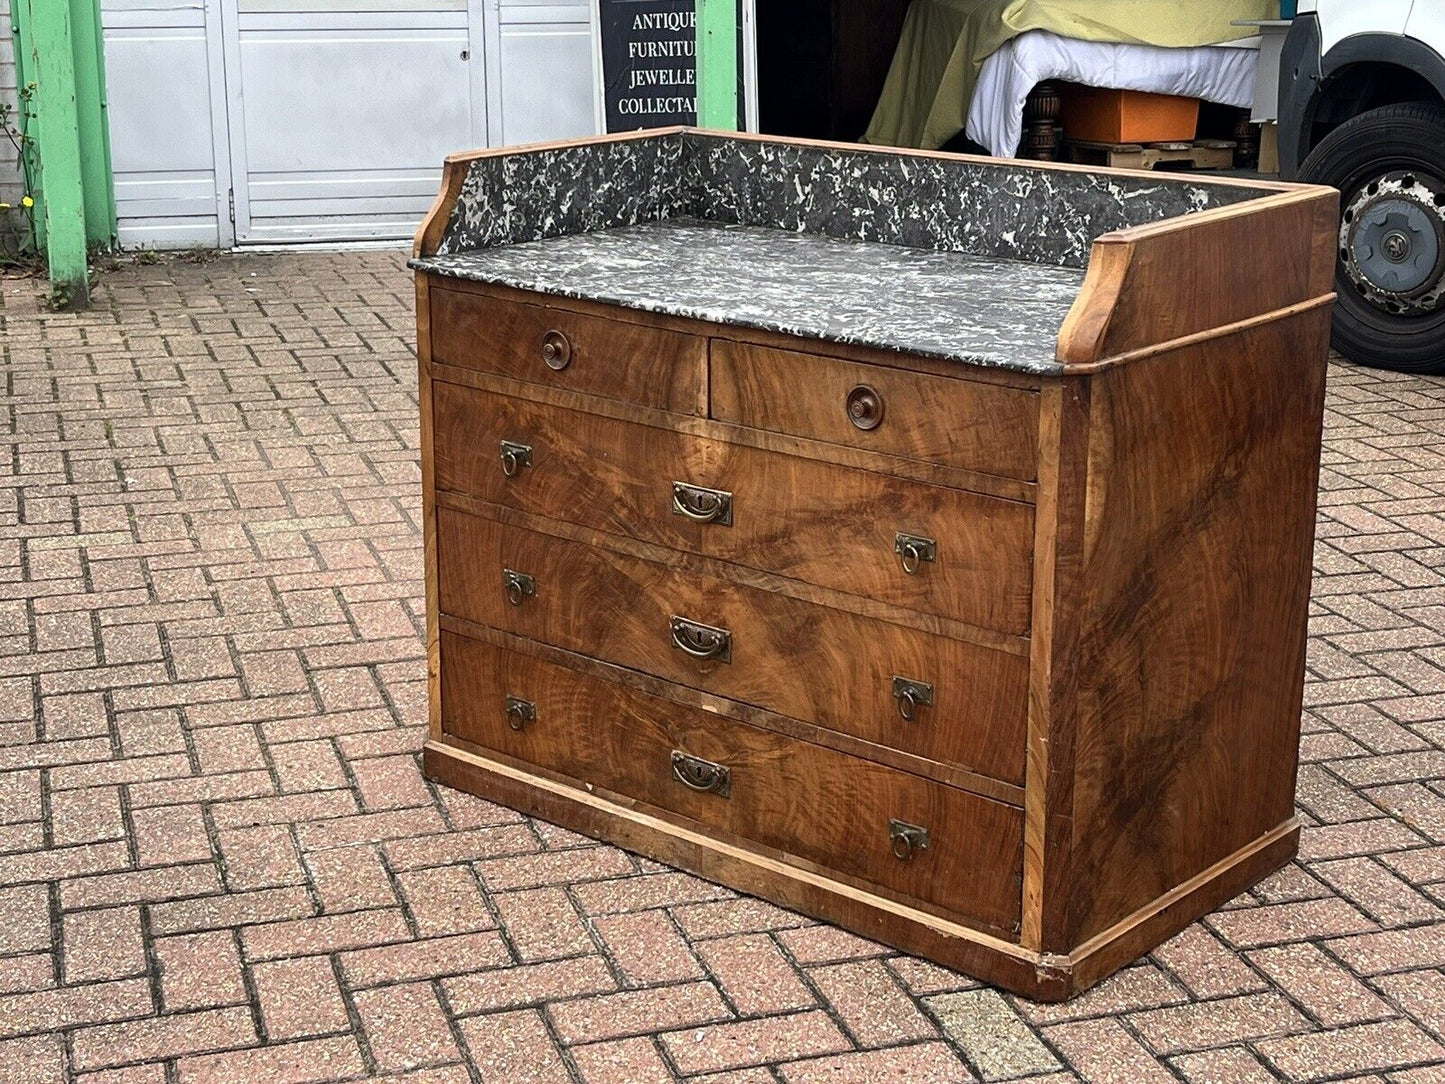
<point x="1198" y="154"/>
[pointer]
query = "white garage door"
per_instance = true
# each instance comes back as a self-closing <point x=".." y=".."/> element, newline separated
<point x="262" y="121"/>
<point x="167" y="127"/>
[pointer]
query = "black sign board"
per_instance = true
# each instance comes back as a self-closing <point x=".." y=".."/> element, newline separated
<point x="649" y="63"/>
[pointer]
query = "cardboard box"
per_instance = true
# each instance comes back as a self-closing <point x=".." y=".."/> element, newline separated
<point x="1097" y="115"/>
<point x="1269" y="148"/>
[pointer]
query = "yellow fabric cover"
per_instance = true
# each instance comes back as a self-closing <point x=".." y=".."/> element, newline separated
<point x="944" y="43"/>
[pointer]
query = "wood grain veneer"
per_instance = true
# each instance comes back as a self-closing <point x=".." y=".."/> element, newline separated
<point x="824" y="807"/>
<point x="939" y="419"/>
<point x="610" y="358"/>
<point x="827" y="525"/>
<point x="811" y="662"/>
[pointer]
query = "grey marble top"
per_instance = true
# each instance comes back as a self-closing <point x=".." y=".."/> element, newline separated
<point x="970" y="308"/>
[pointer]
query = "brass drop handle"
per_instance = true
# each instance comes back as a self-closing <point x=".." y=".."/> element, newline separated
<point x="865" y="407"/>
<point x="911" y="695"/>
<point x="556" y="350"/>
<point x="701" y="641"/>
<point x="913" y="551"/>
<point x="702" y="505"/>
<point x="906" y="839"/>
<point x="514" y="457"/>
<point x="700" y="775"/>
<point x="520" y="712"/>
<point x="518" y="585"/>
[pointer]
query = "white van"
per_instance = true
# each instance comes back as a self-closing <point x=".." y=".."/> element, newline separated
<point x="1362" y="108"/>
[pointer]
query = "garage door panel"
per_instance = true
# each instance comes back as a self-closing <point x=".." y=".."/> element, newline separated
<point x="546" y="82"/>
<point x="379" y="184"/>
<point x="353" y="99"/>
<point x="158" y="79"/>
<point x="369" y="225"/>
<point x="287" y="200"/>
<point x="345" y="112"/>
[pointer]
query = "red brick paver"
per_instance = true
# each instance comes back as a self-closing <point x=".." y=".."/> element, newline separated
<point x="219" y="861"/>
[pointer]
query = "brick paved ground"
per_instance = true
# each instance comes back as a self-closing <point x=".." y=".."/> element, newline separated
<point x="219" y="861"/>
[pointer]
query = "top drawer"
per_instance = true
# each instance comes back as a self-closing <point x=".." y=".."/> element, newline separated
<point x="617" y="360"/>
<point x="959" y="423"/>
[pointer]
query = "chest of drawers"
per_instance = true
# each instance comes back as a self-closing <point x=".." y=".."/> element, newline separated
<point x="999" y="663"/>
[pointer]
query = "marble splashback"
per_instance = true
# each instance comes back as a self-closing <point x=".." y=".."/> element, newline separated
<point x="507" y="199"/>
<point x="996" y="209"/>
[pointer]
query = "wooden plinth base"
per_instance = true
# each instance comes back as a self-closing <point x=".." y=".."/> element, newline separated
<point x="991" y="959"/>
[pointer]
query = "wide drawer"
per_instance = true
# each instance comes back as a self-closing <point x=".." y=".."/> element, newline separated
<point x="944" y="551"/>
<point x="749" y="785"/>
<point x="561" y="349"/>
<point x="960" y="423"/>
<point x="965" y="704"/>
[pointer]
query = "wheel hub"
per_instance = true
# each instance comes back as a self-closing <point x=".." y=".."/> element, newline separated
<point x="1392" y="244"/>
<point x="1396" y="247"/>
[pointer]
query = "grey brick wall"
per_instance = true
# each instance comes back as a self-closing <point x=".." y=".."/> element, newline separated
<point x="9" y="171"/>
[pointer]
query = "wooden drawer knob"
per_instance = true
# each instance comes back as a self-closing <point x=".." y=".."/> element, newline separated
<point x="556" y="350"/>
<point x="865" y="407"/>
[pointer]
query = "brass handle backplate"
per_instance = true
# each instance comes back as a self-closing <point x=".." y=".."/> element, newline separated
<point x="556" y="350"/>
<point x="514" y="457"/>
<point x="700" y="775"/>
<point x="520" y="712"/>
<point x="913" y="550"/>
<point x="702" y="505"/>
<point x="702" y="641"/>
<point x="906" y="839"/>
<point x="518" y="585"/>
<point x="911" y="695"/>
<point x="864" y="407"/>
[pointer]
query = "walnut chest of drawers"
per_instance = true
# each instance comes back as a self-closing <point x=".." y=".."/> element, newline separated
<point x="946" y="585"/>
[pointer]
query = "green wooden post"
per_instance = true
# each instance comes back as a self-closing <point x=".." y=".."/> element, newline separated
<point x="717" y="64"/>
<point x="96" y="174"/>
<point x="97" y="179"/>
<point x="49" y="63"/>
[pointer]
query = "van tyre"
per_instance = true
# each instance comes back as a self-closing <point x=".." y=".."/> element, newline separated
<point x="1389" y="165"/>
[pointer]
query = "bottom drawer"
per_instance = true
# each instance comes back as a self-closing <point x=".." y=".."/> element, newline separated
<point x="829" y="809"/>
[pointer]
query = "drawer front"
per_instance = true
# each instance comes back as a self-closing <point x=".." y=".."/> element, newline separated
<point x="974" y="426"/>
<point x="824" y="666"/>
<point x="613" y="359"/>
<point x="813" y="803"/>
<point x="832" y="526"/>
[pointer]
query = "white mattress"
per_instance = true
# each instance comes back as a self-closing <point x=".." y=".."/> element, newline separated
<point x="1216" y="73"/>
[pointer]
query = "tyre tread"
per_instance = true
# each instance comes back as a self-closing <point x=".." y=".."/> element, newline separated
<point x="1369" y="336"/>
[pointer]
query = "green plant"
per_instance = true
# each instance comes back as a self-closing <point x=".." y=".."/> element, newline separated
<point x="61" y="297"/>
<point x="18" y="248"/>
